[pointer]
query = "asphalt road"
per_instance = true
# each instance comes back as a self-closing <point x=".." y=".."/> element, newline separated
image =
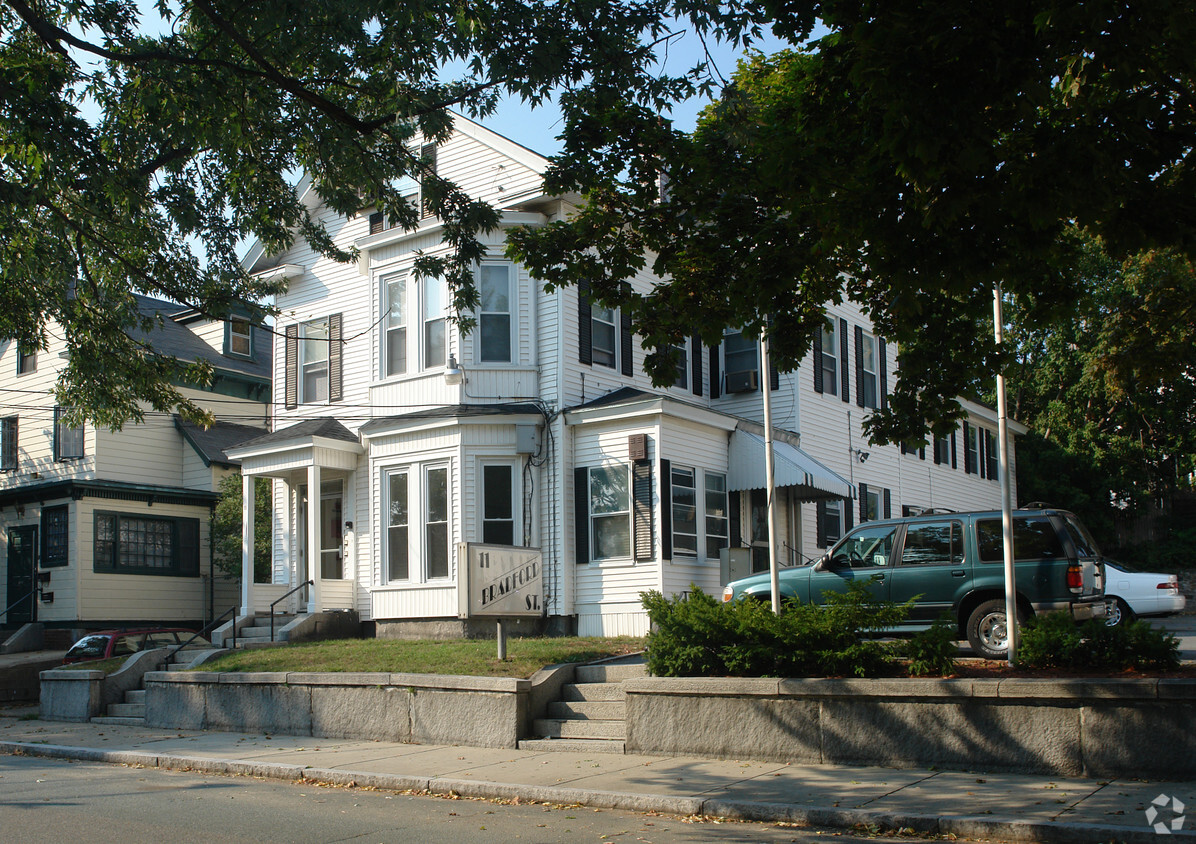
<point x="1183" y="627"/>
<point x="46" y="800"/>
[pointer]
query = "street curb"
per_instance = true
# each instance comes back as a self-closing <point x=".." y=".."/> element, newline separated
<point x="986" y="826"/>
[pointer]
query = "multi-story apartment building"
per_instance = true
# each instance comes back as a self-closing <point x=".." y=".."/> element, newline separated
<point x="541" y="429"/>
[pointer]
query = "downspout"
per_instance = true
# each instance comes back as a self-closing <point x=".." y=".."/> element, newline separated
<point x="211" y="566"/>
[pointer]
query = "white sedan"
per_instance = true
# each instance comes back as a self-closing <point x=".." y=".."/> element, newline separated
<point x="1129" y="594"/>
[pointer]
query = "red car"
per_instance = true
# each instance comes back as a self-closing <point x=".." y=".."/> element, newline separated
<point x="111" y="643"/>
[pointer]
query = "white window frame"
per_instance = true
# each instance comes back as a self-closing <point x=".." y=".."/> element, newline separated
<point x="514" y="492"/>
<point x="609" y="515"/>
<point x="681" y="379"/>
<point x="393" y="323"/>
<point x="869" y="377"/>
<point x="598" y="318"/>
<point x="304" y="345"/>
<point x="830" y="373"/>
<point x="711" y="515"/>
<point x="695" y="536"/>
<point x="835" y="505"/>
<point x="872" y="505"/>
<point x="418" y="522"/>
<point x="244" y="337"/>
<point x="483" y="315"/>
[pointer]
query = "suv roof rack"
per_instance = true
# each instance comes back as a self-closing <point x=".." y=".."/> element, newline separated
<point x="934" y="511"/>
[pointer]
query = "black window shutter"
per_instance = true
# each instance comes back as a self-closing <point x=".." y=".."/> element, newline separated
<point x="715" y="376"/>
<point x="585" y="325"/>
<point x="922" y="453"/>
<point x="820" y="525"/>
<point x="935" y="442"/>
<point x="666" y="510"/>
<point x="818" y="380"/>
<point x="57" y="416"/>
<point x="336" y="381"/>
<point x="888" y="504"/>
<point x="695" y="363"/>
<point x="859" y="366"/>
<point x="376" y="223"/>
<point x="954" y="460"/>
<point x="625" y="341"/>
<point x="884" y="375"/>
<point x="774" y="376"/>
<point x="581" y="514"/>
<point x="9" y="435"/>
<point x="733" y="523"/>
<point x="863" y="503"/>
<point x="642" y="510"/>
<point x="968" y="466"/>
<point x="844" y="378"/>
<point x="291" y="379"/>
<point x="848" y="514"/>
<point x="187" y="552"/>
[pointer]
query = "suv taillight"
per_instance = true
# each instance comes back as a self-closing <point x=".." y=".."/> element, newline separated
<point x="1075" y="578"/>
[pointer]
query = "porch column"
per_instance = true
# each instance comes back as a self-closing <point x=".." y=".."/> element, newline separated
<point x="247" y="508"/>
<point x="315" y="601"/>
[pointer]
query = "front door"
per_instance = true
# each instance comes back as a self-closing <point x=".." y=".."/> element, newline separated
<point x="332" y="514"/>
<point x="22" y="561"/>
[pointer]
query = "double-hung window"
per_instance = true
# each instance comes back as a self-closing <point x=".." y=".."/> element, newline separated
<point x="869" y="371"/>
<point x="55" y="536"/>
<point x="435" y="312"/>
<point x="398" y="522"/>
<point x="685" y="511"/>
<point x="239" y="340"/>
<point x="494" y="314"/>
<point x="436" y="522"/>
<point x="26" y="360"/>
<point x="416" y="513"/>
<point x="314" y="361"/>
<point x="828" y="360"/>
<point x="740" y="362"/>
<point x="498" y="504"/>
<point x="610" y="512"/>
<point x="716" y="514"/>
<point x="68" y="439"/>
<point x="830" y="522"/>
<point x="9" y="456"/>
<point x="395" y="341"/>
<point x="604" y="335"/>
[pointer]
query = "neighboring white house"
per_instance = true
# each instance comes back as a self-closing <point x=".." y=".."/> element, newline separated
<point x="103" y="528"/>
<point x="541" y="429"/>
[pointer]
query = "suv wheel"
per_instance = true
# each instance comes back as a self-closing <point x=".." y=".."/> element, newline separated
<point x="988" y="634"/>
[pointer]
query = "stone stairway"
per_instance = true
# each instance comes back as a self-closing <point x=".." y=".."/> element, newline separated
<point x="131" y="712"/>
<point x="258" y="634"/>
<point x="590" y="717"/>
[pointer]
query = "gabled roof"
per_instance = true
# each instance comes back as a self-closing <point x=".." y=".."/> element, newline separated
<point x="172" y="338"/>
<point x="212" y="443"/>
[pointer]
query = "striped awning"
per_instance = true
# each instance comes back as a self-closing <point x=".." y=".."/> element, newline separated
<point x="804" y="476"/>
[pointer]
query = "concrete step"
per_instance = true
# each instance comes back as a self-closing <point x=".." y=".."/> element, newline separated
<point x="121" y="720"/>
<point x="135" y="696"/>
<point x="592" y="691"/>
<point x="126" y="710"/>
<point x="614" y="672"/>
<point x="588" y="710"/>
<point x="252" y="644"/>
<point x="557" y="745"/>
<point x="570" y="729"/>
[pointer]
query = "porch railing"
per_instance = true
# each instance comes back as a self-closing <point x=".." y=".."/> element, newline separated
<point x="283" y="598"/>
<point x="26" y="597"/>
<point x="208" y="628"/>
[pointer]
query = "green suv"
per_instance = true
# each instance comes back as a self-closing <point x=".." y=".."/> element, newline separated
<point x="953" y="564"/>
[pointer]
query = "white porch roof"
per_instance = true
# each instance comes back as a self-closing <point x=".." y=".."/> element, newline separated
<point x="806" y="477"/>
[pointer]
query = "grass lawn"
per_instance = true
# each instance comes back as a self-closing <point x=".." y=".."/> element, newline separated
<point x="105" y="665"/>
<point x="476" y="657"/>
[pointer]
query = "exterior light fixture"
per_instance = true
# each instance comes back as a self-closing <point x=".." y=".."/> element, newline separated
<point x="452" y="373"/>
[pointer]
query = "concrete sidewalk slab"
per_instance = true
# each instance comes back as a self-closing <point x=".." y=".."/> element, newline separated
<point x="996" y="806"/>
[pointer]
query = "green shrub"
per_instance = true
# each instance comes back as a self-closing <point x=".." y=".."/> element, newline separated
<point x="1054" y="641"/>
<point x="933" y="651"/>
<point x="699" y="636"/>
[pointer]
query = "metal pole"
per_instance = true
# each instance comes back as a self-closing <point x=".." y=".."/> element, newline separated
<point x="502" y="641"/>
<point x="770" y="486"/>
<point x="1006" y="487"/>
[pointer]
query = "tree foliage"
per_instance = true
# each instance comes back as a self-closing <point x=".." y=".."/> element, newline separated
<point x="1111" y="389"/>
<point x="921" y="152"/>
<point x="227" y="526"/>
<point x="135" y="160"/>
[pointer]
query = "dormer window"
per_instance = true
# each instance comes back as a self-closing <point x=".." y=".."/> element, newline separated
<point x="238" y="339"/>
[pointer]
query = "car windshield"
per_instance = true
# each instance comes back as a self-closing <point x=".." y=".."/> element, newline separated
<point x="89" y="647"/>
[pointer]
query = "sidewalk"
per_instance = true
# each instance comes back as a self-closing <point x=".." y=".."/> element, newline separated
<point x="1002" y="807"/>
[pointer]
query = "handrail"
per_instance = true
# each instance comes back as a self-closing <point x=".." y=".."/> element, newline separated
<point x="19" y="601"/>
<point x="206" y="628"/>
<point x="283" y="598"/>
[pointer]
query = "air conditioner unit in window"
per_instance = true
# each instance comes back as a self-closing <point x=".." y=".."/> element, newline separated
<point x="743" y="382"/>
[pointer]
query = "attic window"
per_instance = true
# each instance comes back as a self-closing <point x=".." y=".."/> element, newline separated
<point x="240" y="338"/>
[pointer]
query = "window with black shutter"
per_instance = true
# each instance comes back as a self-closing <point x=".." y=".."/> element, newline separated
<point x="9" y="456"/>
